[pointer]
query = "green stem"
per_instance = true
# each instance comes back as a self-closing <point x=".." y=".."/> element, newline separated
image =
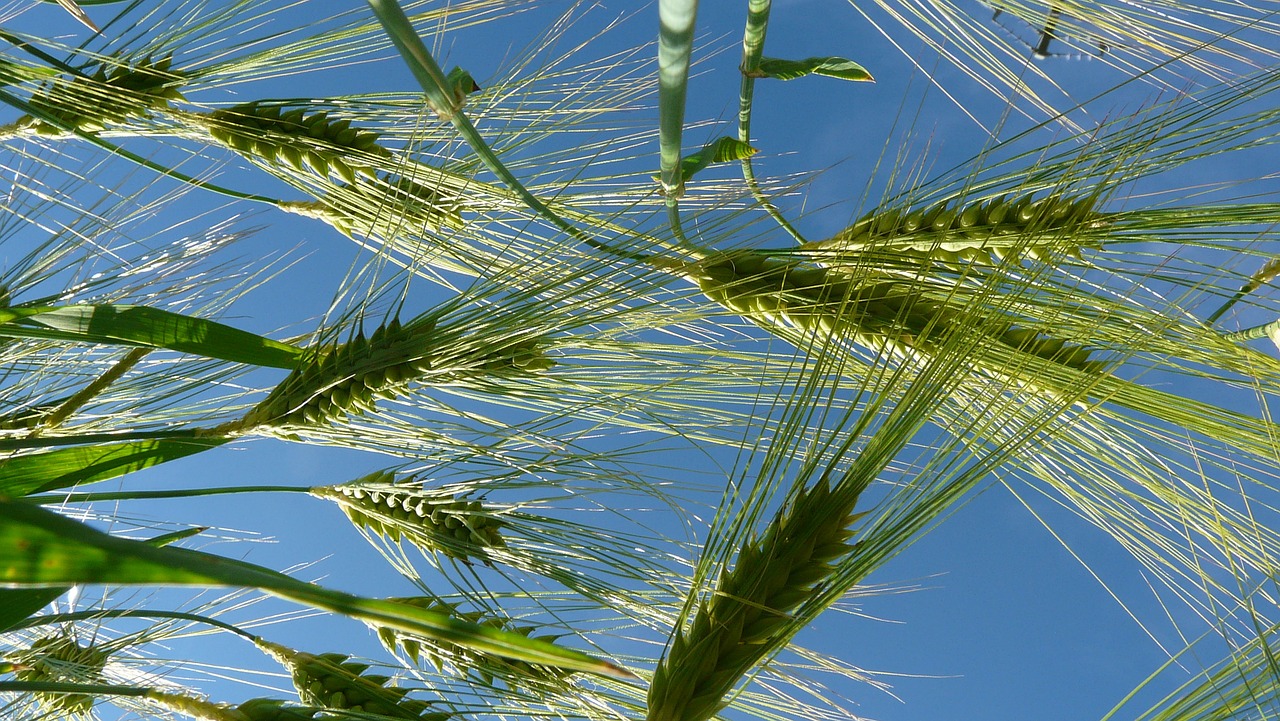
<point x="89" y="689"/>
<point x="1254" y="333"/>
<point x="92" y="497"/>
<point x="677" y="19"/>
<point x="99" y="384"/>
<point x="752" y="51"/>
<point x="439" y="97"/>
<point x="128" y="613"/>
<point x="673" y="218"/>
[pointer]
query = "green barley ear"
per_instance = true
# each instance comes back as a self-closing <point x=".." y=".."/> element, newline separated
<point x="255" y="709"/>
<point x="447" y="524"/>
<point x="879" y="314"/>
<point x="109" y="95"/>
<point x="197" y="708"/>
<point x="271" y="709"/>
<point x="329" y="385"/>
<point x="383" y="206"/>
<point x="749" y="612"/>
<point x="1039" y="228"/>
<point x="468" y="662"/>
<point x="333" y="681"/>
<point x="298" y="138"/>
<point x="60" y="658"/>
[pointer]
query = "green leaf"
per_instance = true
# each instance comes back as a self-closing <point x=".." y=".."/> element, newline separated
<point x="838" y="68"/>
<point x="722" y="150"/>
<point x="65" y="467"/>
<point x="19" y="604"/>
<point x="147" y="327"/>
<point x="461" y="84"/>
<point x="39" y="548"/>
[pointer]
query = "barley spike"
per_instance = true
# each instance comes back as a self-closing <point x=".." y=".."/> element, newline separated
<point x="347" y="379"/>
<point x="874" y="313"/>
<point x="110" y="94"/>
<point x="403" y="204"/>
<point x="981" y="231"/>
<point x="479" y="666"/>
<point x="750" y="609"/>
<point x="60" y="658"/>
<point x="333" y="681"/>
<point x="451" y="525"/>
<point x="270" y="133"/>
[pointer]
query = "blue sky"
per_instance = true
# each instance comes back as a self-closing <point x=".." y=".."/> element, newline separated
<point x="1004" y="624"/>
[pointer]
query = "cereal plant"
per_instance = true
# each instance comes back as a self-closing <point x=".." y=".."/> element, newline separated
<point x="563" y="390"/>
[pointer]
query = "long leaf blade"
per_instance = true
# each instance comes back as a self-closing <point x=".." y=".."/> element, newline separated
<point x="66" y="467"/>
<point x="148" y="327"/>
<point x="19" y="604"/>
<point x="39" y="548"/>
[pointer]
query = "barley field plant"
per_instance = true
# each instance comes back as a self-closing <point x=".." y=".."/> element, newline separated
<point x="556" y="359"/>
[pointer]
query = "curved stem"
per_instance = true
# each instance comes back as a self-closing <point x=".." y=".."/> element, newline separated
<point x="129" y="613"/>
<point x="441" y="99"/>
<point x="90" y="689"/>
<point x="673" y="218"/>
<point x="1254" y="333"/>
<point x="752" y="51"/>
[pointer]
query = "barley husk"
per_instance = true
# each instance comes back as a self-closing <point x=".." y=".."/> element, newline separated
<point x="334" y="681"/>
<point x="877" y="313"/>
<point x="110" y="94"/>
<point x="271" y="709"/>
<point x="750" y="610"/>
<point x="448" y="524"/>
<point x="60" y="658"/>
<point x="1038" y="228"/>
<point x="300" y="138"/>
<point x="478" y="666"/>
<point x="347" y="379"/>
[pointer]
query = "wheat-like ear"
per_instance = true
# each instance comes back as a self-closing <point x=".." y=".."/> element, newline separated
<point x="329" y="385"/>
<point x="60" y="658"/>
<point x="749" y="611"/>
<point x="334" y="681"/>
<point x="271" y="709"/>
<point x="482" y="667"/>
<point x="299" y="138"/>
<point x="449" y="524"/>
<point x="110" y="95"/>
<point x="383" y="206"/>
<point x="255" y="709"/>
<point x="877" y="314"/>
<point x="1039" y="228"/>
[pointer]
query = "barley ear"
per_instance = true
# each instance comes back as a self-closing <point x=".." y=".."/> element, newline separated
<point x="328" y="384"/>
<point x="299" y="138"/>
<point x="483" y="668"/>
<point x="749" y="612"/>
<point x="879" y="314"/>
<point x="110" y="94"/>
<point x="60" y="658"/>
<point x="1038" y="228"/>
<point x="451" y="525"/>
<point x="333" y="681"/>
